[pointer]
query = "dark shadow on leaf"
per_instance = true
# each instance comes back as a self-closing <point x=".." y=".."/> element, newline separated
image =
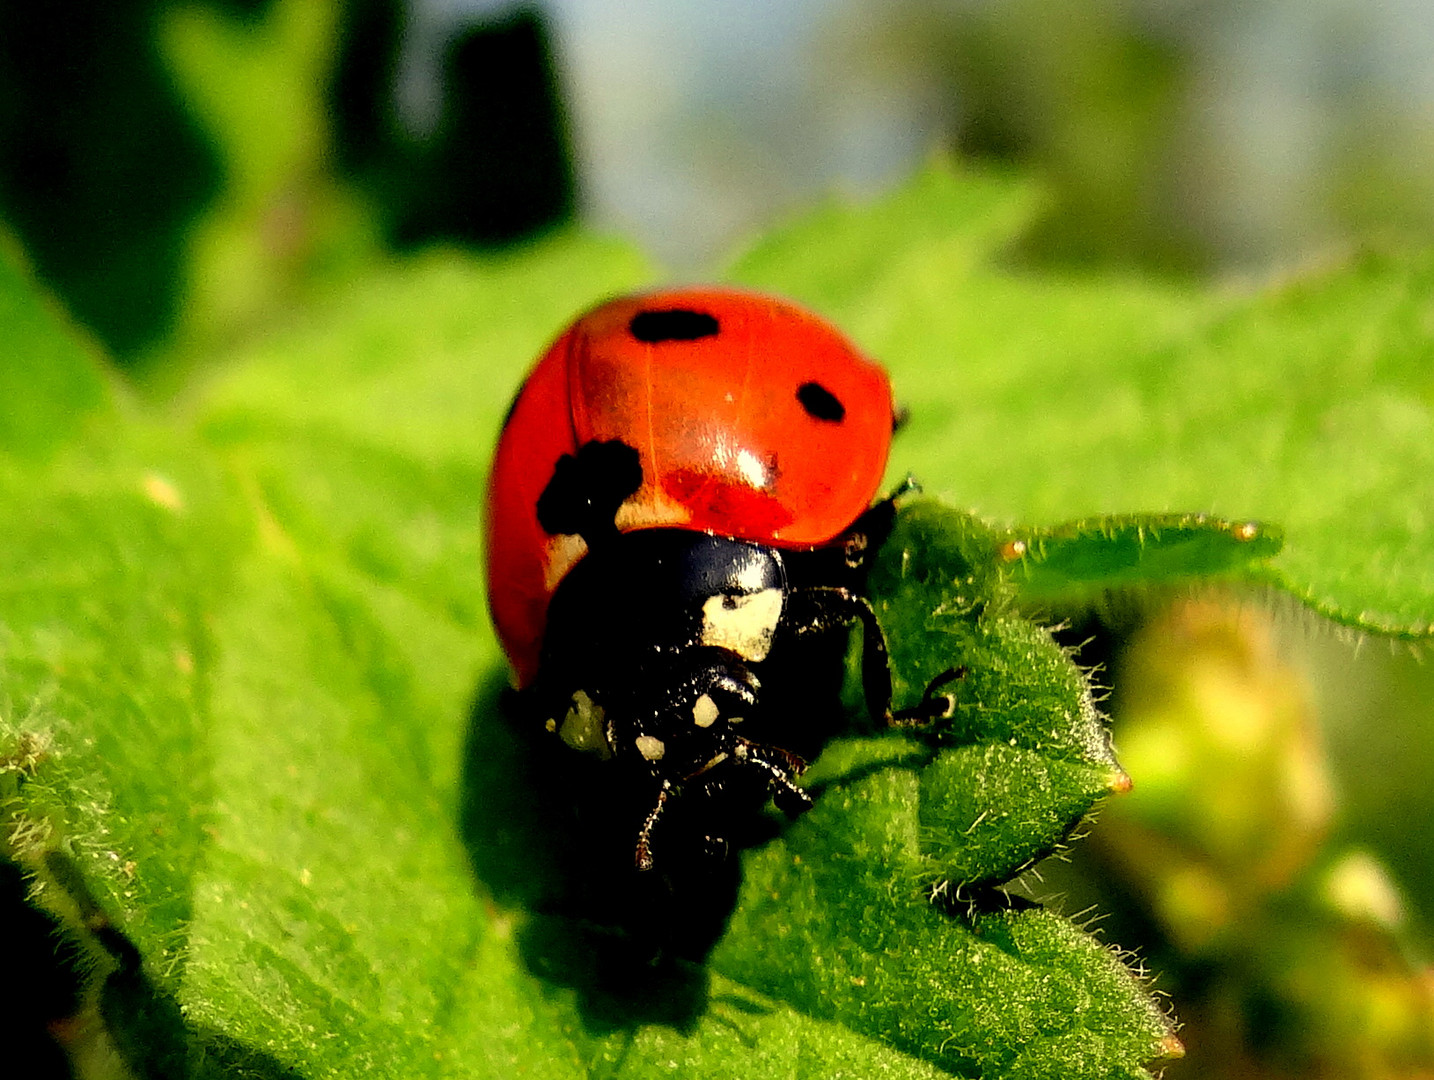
<point x="731" y="1003"/>
<point x="969" y="903"/>
<point x="724" y="1005"/>
<point x="618" y="988"/>
<point x="738" y="1003"/>
<point x="510" y="830"/>
<point x="917" y="760"/>
<point x="156" y="1043"/>
<point x="146" y="1024"/>
<point x="43" y="980"/>
<point x="553" y="833"/>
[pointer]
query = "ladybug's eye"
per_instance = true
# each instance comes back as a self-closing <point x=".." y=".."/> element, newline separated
<point x="677" y="324"/>
<point x="821" y="403"/>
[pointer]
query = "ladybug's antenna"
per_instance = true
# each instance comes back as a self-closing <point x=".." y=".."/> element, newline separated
<point x="587" y="488"/>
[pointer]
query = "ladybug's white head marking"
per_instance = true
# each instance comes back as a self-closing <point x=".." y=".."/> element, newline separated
<point x="743" y="624"/>
<point x="583" y="728"/>
<point x="704" y="711"/>
<point x="650" y="747"/>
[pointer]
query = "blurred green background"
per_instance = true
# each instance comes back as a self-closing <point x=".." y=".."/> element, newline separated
<point x="184" y="176"/>
<point x="164" y="164"/>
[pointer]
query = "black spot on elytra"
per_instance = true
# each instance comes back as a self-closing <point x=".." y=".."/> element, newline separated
<point x="678" y="324"/>
<point x="586" y="489"/>
<point x="821" y="403"/>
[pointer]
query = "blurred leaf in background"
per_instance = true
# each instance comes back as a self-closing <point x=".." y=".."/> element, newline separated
<point x="181" y="173"/>
<point x="283" y="226"/>
<point x="488" y="160"/>
<point x="103" y="169"/>
<point x="1234" y="870"/>
<point x="1179" y="138"/>
<point x="1087" y="95"/>
<point x="324" y="176"/>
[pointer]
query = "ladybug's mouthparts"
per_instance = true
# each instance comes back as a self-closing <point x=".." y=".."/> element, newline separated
<point x="776" y="766"/>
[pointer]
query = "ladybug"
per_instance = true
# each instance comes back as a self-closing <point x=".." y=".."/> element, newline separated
<point x="680" y="509"/>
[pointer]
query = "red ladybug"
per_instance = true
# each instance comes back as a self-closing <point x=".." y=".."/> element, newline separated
<point x="681" y="496"/>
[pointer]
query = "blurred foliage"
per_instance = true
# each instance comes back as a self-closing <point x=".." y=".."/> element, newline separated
<point x="156" y="152"/>
<point x="1290" y="951"/>
<point x="102" y="170"/>
<point x="1377" y="711"/>
<point x="183" y="172"/>
<point x="495" y="167"/>
<point x="1146" y="122"/>
<point x="283" y="228"/>
<point x="1085" y="96"/>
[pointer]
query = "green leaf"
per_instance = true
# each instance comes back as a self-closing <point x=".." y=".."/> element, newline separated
<point x="989" y="811"/>
<point x="1031" y="755"/>
<point x="835" y="919"/>
<point x="1064" y="565"/>
<point x="942" y="591"/>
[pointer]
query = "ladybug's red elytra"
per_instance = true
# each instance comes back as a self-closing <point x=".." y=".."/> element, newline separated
<point x="682" y="494"/>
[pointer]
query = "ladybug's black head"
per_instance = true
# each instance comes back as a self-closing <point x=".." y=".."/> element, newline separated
<point x="740" y="590"/>
<point x="668" y="589"/>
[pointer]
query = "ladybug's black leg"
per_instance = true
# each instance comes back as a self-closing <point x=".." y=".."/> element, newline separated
<point x="790" y="763"/>
<point x="644" y="836"/>
<point x="870" y="530"/>
<point x="908" y="485"/>
<point x="932" y="706"/>
<point x="788" y="797"/>
<point x="819" y="608"/>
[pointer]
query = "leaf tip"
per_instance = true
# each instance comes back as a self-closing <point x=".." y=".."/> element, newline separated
<point x="1013" y="550"/>
<point x="1171" y="1048"/>
<point x="1269" y="538"/>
